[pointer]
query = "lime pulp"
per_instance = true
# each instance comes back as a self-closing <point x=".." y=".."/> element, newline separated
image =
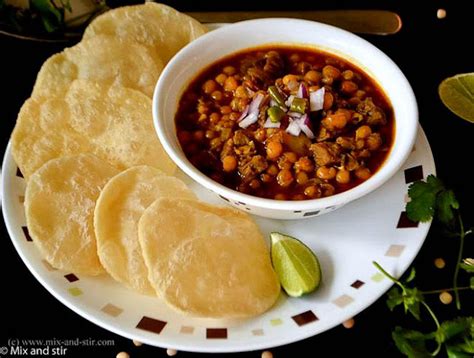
<point x="295" y="264"/>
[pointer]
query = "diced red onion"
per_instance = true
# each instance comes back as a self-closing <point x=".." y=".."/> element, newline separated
<point x="289" y="100"/>
<point x="250" y="119"/>
<point x="256" y="102"/>
<point x="302" y="91"/>
<point x="253" y="111"/>
<point x="303" y="123"/>
<point x="244" y="113"/>
<point x="294" y="114"/>
<point x="294" y="128"/>
<point x="316" y="100"/>
<point x="269" y="124"/>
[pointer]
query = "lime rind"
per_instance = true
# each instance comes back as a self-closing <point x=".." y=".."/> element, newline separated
<point x="457" y="94"/>
<point x="295" y="264"/>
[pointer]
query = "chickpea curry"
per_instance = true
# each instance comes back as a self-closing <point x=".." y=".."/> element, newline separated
<point x="285" y="123"/>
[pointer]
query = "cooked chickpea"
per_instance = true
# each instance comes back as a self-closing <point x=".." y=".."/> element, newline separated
<point x="343" y="176"/>
<point x="216" y="95"/>
<point x="445" y="297"/>
<point x="230" y="84"/>
<point x="326" y="173"/>
<point x="240" y="92"/>
<point x="304" y="164"/>
<point x="289" y="78"/>
<point x="210" y="134"/>
<point x="229" y="70"/>
<point x="328" y="100"/>
<point x="272" y="170"/>
<point x="198" y="135"/>
<point x="348" y="75"/>
<point x="122" y="355"/>
<point x="184" y="137"/>
<point x="363" y="132"/>
<point x="291" y="157"/>
<point x="298" y="197"/>
<point x="312" y="76"/>
<point x="274" y="149"/>
<point x="301" y="178"/>
<point x="349" y="323"/>
<point x="260" y="134"/>
<point x="215" y="118"/>
<point x="328" y="189"/>
<point x="439" y="263"/>
<point x="362" y="173"/>
<point x="171" y="352"/>
<point x="349" y="87"/>
<point x="285" y="178"/>
<point x="266" y="178"/>
<point x="226" y="110"/>
<point x="331" y="72"/>
<point x="280" y="196"/>
<point x="209" y="86"/>
<point x="311" y="191"/>
<point x="229" y="163"/>
<point x="220" y="78"/>
<point x="334" y="121"/>
<point x="360" y="94"/>
<point x="360" y="143"/>
<point x="202" y="108"/>
<point x="255" y="184"/>
<point x="234" y="116"/>
<point x="303" y="67"/>
<point x="295" y="57"/>
<point x="267" y="354"/>
<point x="137" y="343"/>
<point x="373" y="141"/>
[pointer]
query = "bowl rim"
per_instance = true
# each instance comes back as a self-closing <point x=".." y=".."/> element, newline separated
<point x="339" y="199"/>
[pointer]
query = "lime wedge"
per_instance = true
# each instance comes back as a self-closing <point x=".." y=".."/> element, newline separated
<point x="296" y="265"/>
<point x="457" y="93"/>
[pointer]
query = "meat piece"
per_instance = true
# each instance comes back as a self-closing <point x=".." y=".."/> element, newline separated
<point x="326" y="153"/>
<point x="240" y="138"/>
<point x="257" y="75"/>
<point x="350" y="163"/>
<point x="250" y="169"/>
<point x="346" y="142"/>
<point x="374" y="115"/>
<point x="227" y="149"/>
<point x="323" y="134"/>
<point x="274" y="64"/>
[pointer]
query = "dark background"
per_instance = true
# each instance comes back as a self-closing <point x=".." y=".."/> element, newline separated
<point x="427" y="50"/>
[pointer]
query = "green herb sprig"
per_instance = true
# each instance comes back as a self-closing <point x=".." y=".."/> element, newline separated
<point x="430" y="199"/>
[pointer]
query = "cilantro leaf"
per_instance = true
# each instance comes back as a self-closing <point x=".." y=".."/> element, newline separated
<point x="409" y="297"/>
<point x="467" y="267"/>
<point x="423" y="199"/>
<point x="411" y="275"/>
<point x="456" y="352"/>
<point x="394" y="299"/>
<point x="411" y="343"/>
<point x="458" y="334"/>
<point x="445" y="203"/>
<point x="456" y="327"/>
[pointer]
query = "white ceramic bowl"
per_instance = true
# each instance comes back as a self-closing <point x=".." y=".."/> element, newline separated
<point x="188" y="63"/>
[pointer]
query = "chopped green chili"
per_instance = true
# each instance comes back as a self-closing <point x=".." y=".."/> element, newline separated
<point x="275" y="113"/>
<point x="298" y="105"/>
